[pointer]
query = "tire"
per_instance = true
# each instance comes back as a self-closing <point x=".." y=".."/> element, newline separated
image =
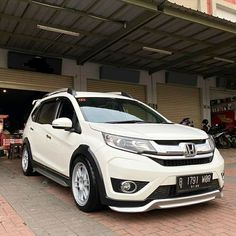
<point x="26" y="161"/>
<point x="83" y="185"/>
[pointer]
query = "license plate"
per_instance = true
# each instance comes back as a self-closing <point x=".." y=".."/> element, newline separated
<point x="193" y="182"/>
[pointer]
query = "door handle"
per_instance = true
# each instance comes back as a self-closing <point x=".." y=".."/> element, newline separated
<point x="31" y="129"/>
<point x="48" y="136"/>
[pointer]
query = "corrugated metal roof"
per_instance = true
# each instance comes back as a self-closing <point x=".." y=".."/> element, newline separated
<point x="114" y="32"/>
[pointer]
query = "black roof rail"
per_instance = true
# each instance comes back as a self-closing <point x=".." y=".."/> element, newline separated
<point x="126" y="94"/>
<point x="68" y="90"/>
<point x="122" y="94"/>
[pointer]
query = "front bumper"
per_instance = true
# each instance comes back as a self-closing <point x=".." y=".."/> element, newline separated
<point x="171" y="203"/>
<point x="160" y="190"/>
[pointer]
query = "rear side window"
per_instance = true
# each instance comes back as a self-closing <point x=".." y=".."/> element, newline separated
<point x="47" y="112"/>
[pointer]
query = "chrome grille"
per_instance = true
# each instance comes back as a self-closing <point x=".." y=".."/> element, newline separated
<point x="174" y="152"/>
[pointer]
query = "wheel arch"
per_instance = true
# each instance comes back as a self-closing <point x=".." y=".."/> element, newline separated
<point x="27" y="143"/>
<point x="84" y="150"/>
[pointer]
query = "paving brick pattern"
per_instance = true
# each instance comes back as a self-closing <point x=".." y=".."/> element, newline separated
<point x="46" y="208"/>
<point x="10" y="222"/>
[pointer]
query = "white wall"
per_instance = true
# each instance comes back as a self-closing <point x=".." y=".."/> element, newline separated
<point x="203" y="84"/>
<point x="224" y="10"/>
<point x="193" y="4"/>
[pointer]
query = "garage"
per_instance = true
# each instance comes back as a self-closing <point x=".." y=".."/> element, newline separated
<point x="17" y="104"/>
<point x="20" y="79"/>
<point x="20" y="84"/>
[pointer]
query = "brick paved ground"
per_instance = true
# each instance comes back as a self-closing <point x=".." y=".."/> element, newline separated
<point x="36" y="205"/>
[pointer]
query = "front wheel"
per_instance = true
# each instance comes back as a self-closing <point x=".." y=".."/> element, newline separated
<point x="26" y="161"/>
<point x="84" y="186"/>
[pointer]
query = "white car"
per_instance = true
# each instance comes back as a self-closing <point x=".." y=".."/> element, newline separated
<point x="114" y="150"/>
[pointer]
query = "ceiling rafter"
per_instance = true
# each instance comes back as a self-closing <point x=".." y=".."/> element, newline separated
<point x="83" y="32"/>
<point x="209" y="50"/>
<point x="43" y="40"/>
<point x="17" y="24"/>
<point x="52" y="17"/>
<point x="100" y="24"/>
<point x="33" y="52"/>
<point x="34" y="22"/>
<point x="202" y="69"/>
<point x="135" y="24"/>
<point x="73" y="11"/>
<point x="177" y="36"/>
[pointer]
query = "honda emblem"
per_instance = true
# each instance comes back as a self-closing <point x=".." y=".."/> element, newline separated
<point x="190" y="150"/>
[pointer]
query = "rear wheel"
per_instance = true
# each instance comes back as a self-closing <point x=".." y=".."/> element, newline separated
<point x="26" y="161"/>
<point x="84" y="186"/>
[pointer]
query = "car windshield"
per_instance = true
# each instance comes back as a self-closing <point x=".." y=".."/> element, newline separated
<point x="115" y="110"/>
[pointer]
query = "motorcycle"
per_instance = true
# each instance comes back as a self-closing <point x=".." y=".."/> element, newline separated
<point x="222" y="139"/>
<point x="231" y="135"/>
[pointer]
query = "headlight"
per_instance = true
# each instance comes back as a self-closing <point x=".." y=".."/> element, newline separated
<point x="211" y="142"/>
<point x="128" y="144"/>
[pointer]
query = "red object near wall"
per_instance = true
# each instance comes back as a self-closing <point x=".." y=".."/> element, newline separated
<point x="224" y="117"/>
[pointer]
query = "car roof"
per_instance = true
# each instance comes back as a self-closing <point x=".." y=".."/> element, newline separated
<point x="98" y="94"/>
<point x="79" y="94"/>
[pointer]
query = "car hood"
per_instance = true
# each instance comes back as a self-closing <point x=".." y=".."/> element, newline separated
<point x="151" y="131"/>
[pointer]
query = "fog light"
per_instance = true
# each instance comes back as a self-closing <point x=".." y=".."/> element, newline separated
<point x="128" y="186"/>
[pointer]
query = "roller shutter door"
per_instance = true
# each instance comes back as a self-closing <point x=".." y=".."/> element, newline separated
<point x="176" y="103"/>
<point x="135" y="90"/>
<point x="19" y="79"/>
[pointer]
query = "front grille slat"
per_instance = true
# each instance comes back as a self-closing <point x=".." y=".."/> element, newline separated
<point x="183" y="162"/>
<point x="169" y="191"/>
<point x="177" y="142"/>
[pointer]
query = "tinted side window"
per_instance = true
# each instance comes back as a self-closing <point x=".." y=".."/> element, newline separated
<point x="47" y="112"/>
<point x="67" y="110"/>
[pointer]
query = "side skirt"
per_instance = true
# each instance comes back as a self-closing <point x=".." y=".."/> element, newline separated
<point x="52" y="174"/>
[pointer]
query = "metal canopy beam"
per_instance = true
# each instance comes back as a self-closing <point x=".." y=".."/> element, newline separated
<point x="229" y="73"/>
<point x="169" y="9"/>
<point x="34" y="52"/>
<point x="208" y="21"/>
<point x="141" y="3"/>
<point x="131" y="27"/>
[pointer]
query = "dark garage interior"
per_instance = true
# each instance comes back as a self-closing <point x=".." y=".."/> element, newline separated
<point x="17" y="104"/>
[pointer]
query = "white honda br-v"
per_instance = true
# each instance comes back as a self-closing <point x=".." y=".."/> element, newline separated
<point x="115" y="150"/>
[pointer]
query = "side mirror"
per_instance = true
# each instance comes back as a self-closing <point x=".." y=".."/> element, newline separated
<point x="62" y="123"/>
